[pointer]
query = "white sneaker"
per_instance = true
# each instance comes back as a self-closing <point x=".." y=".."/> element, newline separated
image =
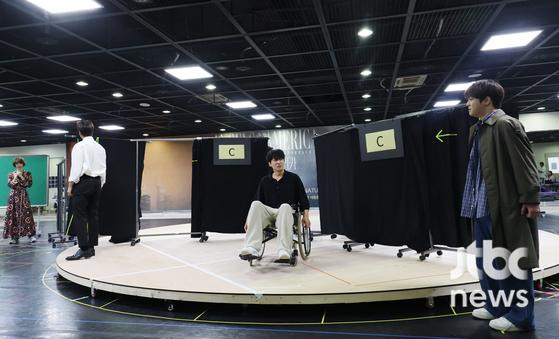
<point x="483" y="314"/>
<point x="504" y="325"/>
<point x="32" y="240"/>
<point x="249" y="251"/>
<point x="283" y="255"/>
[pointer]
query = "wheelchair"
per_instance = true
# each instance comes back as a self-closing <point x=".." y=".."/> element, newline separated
<point x="302" y="238"/>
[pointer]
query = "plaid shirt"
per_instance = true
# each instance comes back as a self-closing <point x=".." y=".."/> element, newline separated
<point x="474" y="200"/>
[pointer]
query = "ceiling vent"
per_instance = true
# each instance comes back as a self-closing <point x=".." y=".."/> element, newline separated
<point x="408" y="82"/>
<point x="213" y="98"/>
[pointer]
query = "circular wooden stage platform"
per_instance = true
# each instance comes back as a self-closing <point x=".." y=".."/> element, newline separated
<point x="180" y="268"/>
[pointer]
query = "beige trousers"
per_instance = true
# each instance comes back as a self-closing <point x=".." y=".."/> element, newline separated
<point x="261" y="216"/>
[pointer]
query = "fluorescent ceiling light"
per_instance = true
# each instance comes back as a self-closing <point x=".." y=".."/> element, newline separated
<point x="241" y="104"/>
<point x="367" y="120"/>
<point x="166" y="111"/>
<point x="365" y="32"/>
<point x="541" y="108"/>
<point x="210" y="87"/>
<point x="367" y="109"/>
<point x="1" y="105"/>
<point x="366" y="72"/>
<point x="456" y="87"/>
<point x="510" y="40"/>
<point x="197" y="121"/>
<point x="7" y="123"/>
<point x="82" y="83"/>
<point x="222" y="129"/>
<point x="117" y="95"/>
<point x="278" y="126"/>
<point x="55" y="131"/>
<point x="65" y="6"/>
<point x="63" y="118"/>
<point x="23" y="140"/>
<point x="446" y="103"/>
<point x="266" y="116"/>
<point x="188" y="73"/>
<point x="474" y="75"/>
<point x="145" y="135"/>
<point x="111" y="127"/>
<point x="366" y="96"/>
<point x="144" y="104"/>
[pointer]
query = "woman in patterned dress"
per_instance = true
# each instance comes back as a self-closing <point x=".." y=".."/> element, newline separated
<point x="19" y="216"/>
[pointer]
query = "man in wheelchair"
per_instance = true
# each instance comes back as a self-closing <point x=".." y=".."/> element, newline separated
<point x="275" y="195"/>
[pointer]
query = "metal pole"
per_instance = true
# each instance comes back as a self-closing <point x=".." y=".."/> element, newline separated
<point x="136" y="202"/>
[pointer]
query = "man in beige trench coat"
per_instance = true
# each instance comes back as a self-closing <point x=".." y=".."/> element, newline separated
<point x="501" y="198"/>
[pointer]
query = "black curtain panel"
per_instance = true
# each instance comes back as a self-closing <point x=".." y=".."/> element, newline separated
<point x="336" y="161"/>
<point x="222" y="194"/>
<point x="397" y="201"/>
<point x="117" y="211"/>
<point x="446" y="172"/>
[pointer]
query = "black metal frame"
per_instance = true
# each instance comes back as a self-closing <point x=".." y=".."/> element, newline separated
<point x="61" y="234"/>
<point x="203" y="236"/>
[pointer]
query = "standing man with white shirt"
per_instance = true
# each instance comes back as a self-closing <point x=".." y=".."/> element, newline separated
<point x="87" y="176"/>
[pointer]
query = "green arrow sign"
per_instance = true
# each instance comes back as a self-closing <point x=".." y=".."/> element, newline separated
<point x="440" y="136"/>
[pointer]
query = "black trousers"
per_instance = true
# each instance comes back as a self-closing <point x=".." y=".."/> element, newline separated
<point x="85" y="203"/>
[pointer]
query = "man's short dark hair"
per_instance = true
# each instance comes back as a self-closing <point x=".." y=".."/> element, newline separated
<point x="275" y="154"/>
<point x="482" y="89"/>
<point x="85" y="127"/>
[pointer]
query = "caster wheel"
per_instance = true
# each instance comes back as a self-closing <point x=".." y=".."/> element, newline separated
<point x="50" y="239"/>
<point x="422" y="257"/>
<point x="430" y="303"/>
<point x="349" y="248"/>
<point x="133" y="243"/>
<point x="170" y="306"/>
<point x="75" y="243"/>
<point x="344" y="246"/>
<point x="439" y="252"/>
<point x="333" y="236"/>
<point x="367" y="245"/>
<point x="53" y="245"/>
<point x="293" y="261"/>
<point x="399" y="255"/>
<point x="295" y="253"/>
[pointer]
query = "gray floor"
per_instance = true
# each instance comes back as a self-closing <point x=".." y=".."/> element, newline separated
<point x="35" y="304"/>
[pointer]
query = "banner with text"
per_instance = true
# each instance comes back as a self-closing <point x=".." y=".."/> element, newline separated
<point x="298" y="146"/>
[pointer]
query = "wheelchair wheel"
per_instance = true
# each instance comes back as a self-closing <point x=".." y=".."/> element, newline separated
<point x="303" y="240"/>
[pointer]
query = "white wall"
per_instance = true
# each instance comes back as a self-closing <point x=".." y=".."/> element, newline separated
<point x="543" y="150"/>
<point x="56" y="153"/>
